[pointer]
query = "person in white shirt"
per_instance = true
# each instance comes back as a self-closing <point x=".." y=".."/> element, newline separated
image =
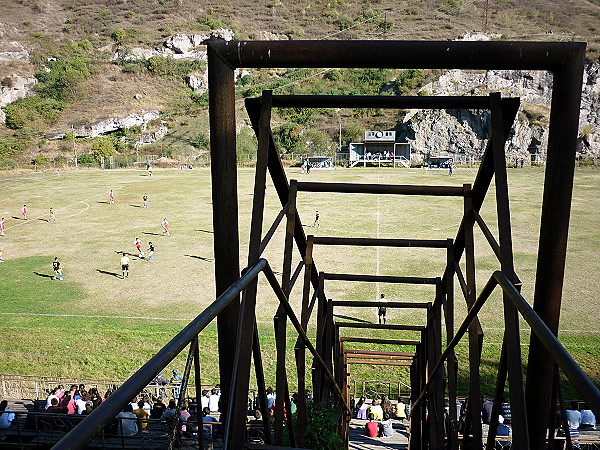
<point x="204" y="399"/>
<point x="213" y="401"/>
<point x="127" y="422"/>
<point x="53" y="394"/>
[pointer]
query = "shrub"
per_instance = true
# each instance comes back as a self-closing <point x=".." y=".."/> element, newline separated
<point x="9" y="146"/>
<point x="32" y="109"/>
<point x="408" y="80"/>
<point x="86" y="158"/>
<point x="64" y="78"/>
<point x="41" y="160"/>
<point x="321" y="426"/>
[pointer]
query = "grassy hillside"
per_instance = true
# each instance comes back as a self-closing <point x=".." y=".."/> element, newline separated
<point x="93" y="31"/>
<point x="95" y="324"/>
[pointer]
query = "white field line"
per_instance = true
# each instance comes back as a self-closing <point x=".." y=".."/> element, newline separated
<point x="100" y="316"/>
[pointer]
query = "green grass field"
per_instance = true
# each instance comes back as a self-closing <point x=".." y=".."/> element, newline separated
<point x="96" y="325"/>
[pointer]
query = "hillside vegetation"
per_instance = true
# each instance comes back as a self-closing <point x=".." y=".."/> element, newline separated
<point x="72" y="45"/>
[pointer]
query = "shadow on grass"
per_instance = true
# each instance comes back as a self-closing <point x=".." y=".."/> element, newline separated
<point x="152" y="234"/>
<point x="43" y="220"/>
<point x="210" y="260"/>
<point x="127" y="254"/>
<point x="106" y="203"/>
<point x="135" y="206"/>
<point x="356" y="319"/>
<point x="205" y="231"/>
<point x="116" y="275"/>
<point x="18" y="218"/>
<point x="44" y="275"/>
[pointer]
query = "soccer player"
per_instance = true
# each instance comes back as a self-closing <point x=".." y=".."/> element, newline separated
<point x="51" y="218"/>
<point x="382" y="311"/>
<point x="125" y="265"/>
<point x="1" y="260"/>
<point x="57" y="269"/>
<point x="2" y="227"/>
<point x="150" y="250"/>
<point x="145" y="198"/>
<point x="138" y="245"/>
<point x="24" y="211"/>
<point x="111" y="197"/>
<point x="317" y="223"/>
<point x="165" y="226"/>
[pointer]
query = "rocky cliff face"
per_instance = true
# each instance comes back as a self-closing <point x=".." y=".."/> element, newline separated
<point x="465" y="133"/>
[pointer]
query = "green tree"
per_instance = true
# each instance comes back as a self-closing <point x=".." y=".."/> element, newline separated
<point x="351" y="133"/>
<point x="102" y="147"/>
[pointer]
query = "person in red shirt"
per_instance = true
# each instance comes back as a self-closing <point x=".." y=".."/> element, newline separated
<point x="111" y="197"/>
<point x="372" y="427"/>
<point x="25" y="212"/>
<point x="165" y="226"/>
<point x="138" y="245"/>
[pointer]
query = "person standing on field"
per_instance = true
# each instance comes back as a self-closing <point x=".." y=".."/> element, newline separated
<point x="138" y="245"/>
<point x="150" y="250"/>
<point x="317" y="223"/>
<point x="382" y="311"/>
<point x="125" y="265"/>
<point x="2" y="227"/>
<point x="165" y="226"/>
<point x="57" y="269"/>
<point x="24" y="211"/>
<point x="111" y="197"/>
<point x="145" y="198"/>
<point x="52" y="218"/>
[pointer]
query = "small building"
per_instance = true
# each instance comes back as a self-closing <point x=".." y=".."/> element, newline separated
<point x="379" y="148"/>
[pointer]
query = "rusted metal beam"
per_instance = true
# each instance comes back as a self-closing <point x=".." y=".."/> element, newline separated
<point x="554" y="231"/>
<point x="357" y="188"/>
<point x="377" y="242"/>
<point x="385" y="357"/>
<point x="378" y="278"/>
<point x="225" y="209"/>
<point x="377" y="352"/>
<point x="398" y="54"/>
<point x="380" y="341"/>
<point x="379" y="101"/>
<point x="379" y="363"/>
<point x="376" y="326"/>
<point x="359" y="304"/>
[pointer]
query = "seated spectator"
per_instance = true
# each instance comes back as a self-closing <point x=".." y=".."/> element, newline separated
<point x="157" y="409"/>
<point x="372" y="427"/>
<point x="270" y="398"/>
<point x="108" y="393"/>
<point x="95" y="397"/>
<point x="211" y="430"/>
<point x="401" y="410"/>
<point x="170" y="414"/>
<point x="386" y="405"/>
<point x="502" y="430"/>
<point x="573" y="415"/>
<point x="6" y="417"/>
<point x="376" y="410"/>
<point x="361" y="408"/>
<point x="256" y="430"/>
<point x="79" y="404"/>
<point x="68" y="404"/>
<point x="54" y="407"/>
<point x="588" y="419"/>
<point x="53" y="394"/>
<point x="505" y="411"/>
<point x="89" y="407"/>
<point x="185" y="414"/>
<point x="142" y="414"/>
<point x="385" y="426"/>
<point x="127" y="422"/>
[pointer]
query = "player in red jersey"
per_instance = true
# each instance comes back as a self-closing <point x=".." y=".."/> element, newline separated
<point x="165" y="226"/>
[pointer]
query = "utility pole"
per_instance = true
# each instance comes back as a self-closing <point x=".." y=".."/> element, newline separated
<point x="73" y="137"/>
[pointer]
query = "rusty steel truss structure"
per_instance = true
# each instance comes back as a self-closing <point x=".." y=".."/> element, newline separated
<point x="432" y="362"/>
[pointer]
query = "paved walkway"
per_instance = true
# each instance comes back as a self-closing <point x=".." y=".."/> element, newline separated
<point x="358" y="440"/>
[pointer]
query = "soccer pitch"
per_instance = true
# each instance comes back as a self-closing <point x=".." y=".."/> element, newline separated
<point x="95" y="324"/>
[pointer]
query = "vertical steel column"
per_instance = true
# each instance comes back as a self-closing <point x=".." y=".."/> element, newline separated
<point x="300" y="348"/>
<point x="319" y="377"/>
<point x="498" y="396"/>
<point x="281" y="317"/>
<point x="260" y="383"/>
<point x="474" y="337"/>
<point x="225" y="207"/>
<point x="451" y="363"/>
<point x="198" y="383"/>
<point x="247" y="323"/>
<point x="438" y="386"/>
<point x="511" y="317"/>
<point x="554" y="229"/>
<point x="415" y="391"/>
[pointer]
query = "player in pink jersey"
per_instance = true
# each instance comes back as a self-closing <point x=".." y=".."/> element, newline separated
<point x="24" y="211"/>
<point x="165" y="226"/>
<point x="111" y="197"/>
